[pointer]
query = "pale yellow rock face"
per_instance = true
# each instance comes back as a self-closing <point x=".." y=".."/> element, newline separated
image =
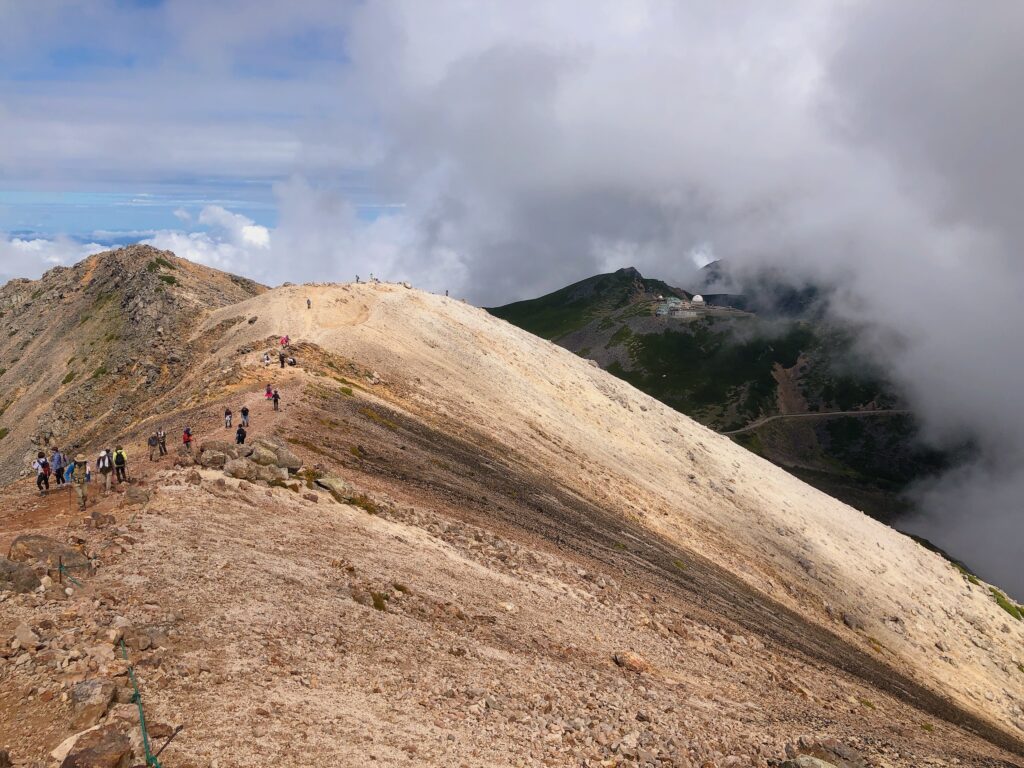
<point x="453" y="364"/>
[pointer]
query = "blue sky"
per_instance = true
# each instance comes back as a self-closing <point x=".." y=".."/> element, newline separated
<point x="75" y="69"/>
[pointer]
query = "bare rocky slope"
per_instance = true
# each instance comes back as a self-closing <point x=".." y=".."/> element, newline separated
<point x="471" y="547"/>
<point x="86" y="349"/>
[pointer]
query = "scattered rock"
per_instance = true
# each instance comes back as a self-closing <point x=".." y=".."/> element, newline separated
<point x="631" y="661"/>
<point x="17" y="577"/>
<point x="105" y="747"/>
<point x="311" y="497"/>
<point x="26" y="638"/>
<point x="137" y="639"/>
<point x="135" y="496"/>
<point x="34" y="548"/>
<point x="100" y="520"/>
<point x="90" y="700"/>
<point x="62" y="749"/>
<point x="806" y="761"/>
<point x="824" y="753"/>
<point x="853" y="621"/>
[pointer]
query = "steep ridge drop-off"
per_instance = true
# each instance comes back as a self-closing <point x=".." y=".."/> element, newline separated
<point x="544" y="410"/>
<point x="89" y="349"/>
<point x="536" y="564"/>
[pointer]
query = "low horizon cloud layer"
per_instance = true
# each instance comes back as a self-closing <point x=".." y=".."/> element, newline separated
<point x="505" y="153"/>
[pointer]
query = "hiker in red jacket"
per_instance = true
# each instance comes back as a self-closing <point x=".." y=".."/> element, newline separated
<point x="186" y="439"/>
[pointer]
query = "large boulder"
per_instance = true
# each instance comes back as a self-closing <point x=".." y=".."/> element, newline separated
<point x="214" y="459"/>
<point x="243" y="469"/>
<point x="231" y="450"/>
<point x="105" y="747"/>
<point x="90" y="700"/>
<point x="340" y="490"/>
<point x="287" y="459"/>
<point x="272" y="472"/>
<point x="222" y="446"/>
<point x="17" y="577"/>
<point x="263" y="455"/>
<point x="33" y="548"/>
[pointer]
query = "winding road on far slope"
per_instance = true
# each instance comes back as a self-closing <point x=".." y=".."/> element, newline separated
<point x="818" y="415"/>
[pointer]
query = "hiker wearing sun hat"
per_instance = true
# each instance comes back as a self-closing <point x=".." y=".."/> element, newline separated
<point x="79" y="472"/>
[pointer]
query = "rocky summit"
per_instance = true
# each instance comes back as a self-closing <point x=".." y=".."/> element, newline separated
<point x="447" y="543"/>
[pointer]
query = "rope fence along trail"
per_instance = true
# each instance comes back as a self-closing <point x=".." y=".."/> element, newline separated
<point x="63" y="573"/>
<point x="152" y="759"/>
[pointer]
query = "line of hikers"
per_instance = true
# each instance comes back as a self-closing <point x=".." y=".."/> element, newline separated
<point x="112" y="464"/>
<point x="115" y="462"/>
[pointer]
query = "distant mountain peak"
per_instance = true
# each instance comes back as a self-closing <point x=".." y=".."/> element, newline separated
<point x="629" y="272"/>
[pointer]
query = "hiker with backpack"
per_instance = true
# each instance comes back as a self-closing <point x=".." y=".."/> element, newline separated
<point x="161" y="436"/>
<point x="277" y="400"/>
<point x="186" y="439"/>
<point x="105" y="465"/>
<point x="240" y="435"/>
<point x="269" y="393"/>
<point x="280" y="356"/>
<point x="79" y="470"/>
<point x="57" y="464"/>
<point x="42" y="468"/>
<point x="153" y="443"/>
<point x="227" y="418"/>
<point x="245" y="415"/>
<point x="120" y="465"/>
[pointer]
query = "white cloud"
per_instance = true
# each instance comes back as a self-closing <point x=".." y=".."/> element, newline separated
<point x="31" y="257"/>
<point x="230" y="241"/>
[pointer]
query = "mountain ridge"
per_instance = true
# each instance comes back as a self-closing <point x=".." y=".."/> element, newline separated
<point x="111" y="336"/>
<point x="732" y="369"/>
<point x="521" y="552"/>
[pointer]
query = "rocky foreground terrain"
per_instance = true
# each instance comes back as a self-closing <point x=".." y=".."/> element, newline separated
<point x="457" y="544"/>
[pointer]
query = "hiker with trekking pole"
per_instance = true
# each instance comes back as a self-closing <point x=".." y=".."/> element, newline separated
<point x="79" y="477"/>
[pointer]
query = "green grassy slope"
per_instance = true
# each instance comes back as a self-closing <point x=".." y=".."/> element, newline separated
<point x="727" y="370"/>
<point x="571" y="308"/>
